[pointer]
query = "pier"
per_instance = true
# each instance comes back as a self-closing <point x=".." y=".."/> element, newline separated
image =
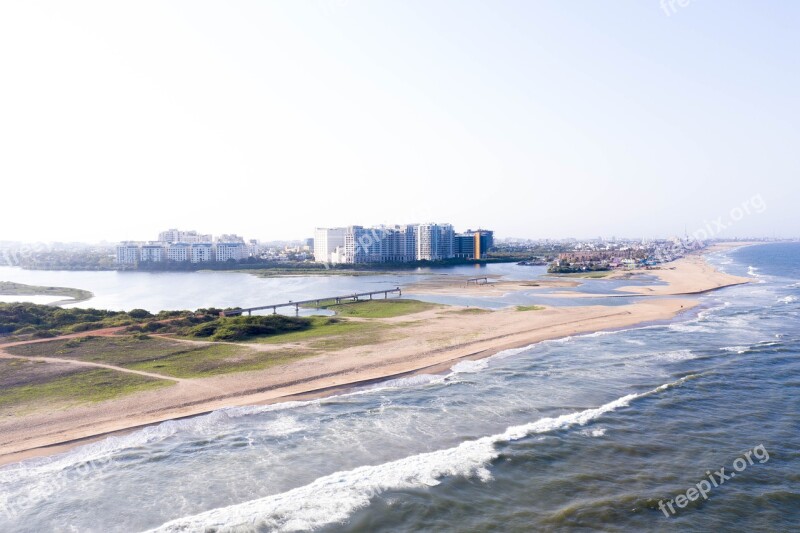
<point x="316" y="301"/>
<point x="478" y="281"/>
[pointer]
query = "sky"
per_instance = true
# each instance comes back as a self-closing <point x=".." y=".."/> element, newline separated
<point x="537" y="119"/>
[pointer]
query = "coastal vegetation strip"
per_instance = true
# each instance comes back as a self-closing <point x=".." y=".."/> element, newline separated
<point x="10" y="288"/>
<point x="530" y="307"/>
<point x="196" y="344"/>
<point x="387" y="308"/>
<point x="44" y="321"/>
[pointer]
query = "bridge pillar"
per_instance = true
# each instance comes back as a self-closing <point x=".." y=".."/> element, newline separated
<point x="296" y="309"/>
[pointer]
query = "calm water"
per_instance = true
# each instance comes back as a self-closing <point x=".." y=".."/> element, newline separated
<point x="587" y="432"/>
<point x="157" y="291"/>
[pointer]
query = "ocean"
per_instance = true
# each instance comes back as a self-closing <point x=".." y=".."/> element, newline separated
<point x="607" y="431"/>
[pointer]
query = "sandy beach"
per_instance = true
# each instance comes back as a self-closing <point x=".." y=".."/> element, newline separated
<point x="429" y="342"/>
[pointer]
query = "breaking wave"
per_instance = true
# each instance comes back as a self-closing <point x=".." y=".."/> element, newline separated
<point x="333" y="498"/>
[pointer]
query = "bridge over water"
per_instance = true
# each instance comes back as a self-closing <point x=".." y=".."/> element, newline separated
<point x="316" y="301"/>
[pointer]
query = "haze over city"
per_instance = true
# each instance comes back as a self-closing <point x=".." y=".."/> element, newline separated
<point x="268" y="119"/>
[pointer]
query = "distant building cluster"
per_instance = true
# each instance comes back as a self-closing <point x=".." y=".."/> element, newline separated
<point x="185" y="246"/>
<point x="399" y="243"/>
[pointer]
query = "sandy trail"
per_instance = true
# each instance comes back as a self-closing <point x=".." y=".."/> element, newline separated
<point x="6" y="355"/>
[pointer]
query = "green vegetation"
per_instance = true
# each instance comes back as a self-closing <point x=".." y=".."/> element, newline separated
<point x="160" y="356"/>
<point x="530" y="307"/>
<point x="470" y="311"/>
<point x="27" y="385"/>
<point x="20" y="289"/>
<point x="48" y="321"/>
<point x="241" y="328"/>
<point x="378" y="308"/>
<point x="331" y="333"/>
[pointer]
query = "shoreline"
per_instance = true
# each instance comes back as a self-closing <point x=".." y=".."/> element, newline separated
<point x="340" y="371"/>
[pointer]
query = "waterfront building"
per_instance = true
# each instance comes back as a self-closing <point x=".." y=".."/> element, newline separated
<point x="152" y="253"/>
<point x="434" y="242"/>
<point x="201" y="252"/>
<point x="474" y="244"/>
<point x="329" y="244"/>
<point x="398" y="243"/>
<point x="231" y="250"/>
<point x="128" y="253"/>
<point x="178" y="252"/>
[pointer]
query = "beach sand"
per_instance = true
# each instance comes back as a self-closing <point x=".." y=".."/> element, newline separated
<point x="431" y="341"/>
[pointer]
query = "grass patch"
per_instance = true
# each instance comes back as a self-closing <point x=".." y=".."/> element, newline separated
<point x="218" y="359"/>
<point x="161" y="356"/>
<point x="245" y="327"/>
<point x="470" y="311"/>
<point x="45" y="386"/>
<point x="529" y="307"/>
<point x="379" y="308"/>
<point x="327" y="333"/>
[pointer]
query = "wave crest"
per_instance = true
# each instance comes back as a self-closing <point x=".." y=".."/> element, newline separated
<point x="333" y="498"/>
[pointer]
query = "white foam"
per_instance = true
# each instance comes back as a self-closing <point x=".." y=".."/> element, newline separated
<point x="736" y="349"/>
<point x="688" y="328"/>
<point x="788" y="299"/>
<point x="401" y="383"/>
<point x="334" y="497"/>
<point x="675" y="355"/>
<point x="470" y="367"/>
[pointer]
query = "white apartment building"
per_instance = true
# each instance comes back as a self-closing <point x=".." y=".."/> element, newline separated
<point x="153" y="253"/>
<point x="231" y="250"/>
<point x="329" y="244"/>
<point x="178" y="251"/>
<point x="128" y="253"/>
<point x="384" y="244"/>
<point x="201" y="252"/>
<point x="435" y="242"/>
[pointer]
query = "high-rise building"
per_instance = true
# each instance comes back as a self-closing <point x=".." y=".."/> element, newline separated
<point x="434" y="242"/>
<point x="474" y="244"/>
<point x="328" y="244"/>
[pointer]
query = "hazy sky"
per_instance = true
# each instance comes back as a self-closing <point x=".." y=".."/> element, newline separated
<point x="535" y="119"/>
